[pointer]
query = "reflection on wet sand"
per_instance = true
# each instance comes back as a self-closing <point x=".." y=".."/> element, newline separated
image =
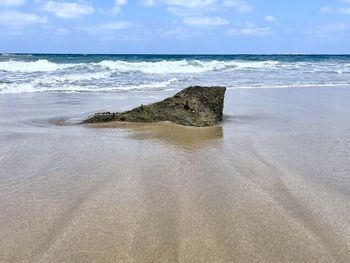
<point x="269" y="185"/>
<point x="186" y="137"/>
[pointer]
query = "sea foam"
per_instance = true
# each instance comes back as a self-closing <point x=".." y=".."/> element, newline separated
<point x="45" y="85"/>
<point x="182" y="66"/>
<point x="93" y="73"/>
<point x="147" y="67"/>
<point x="41" y="65"/>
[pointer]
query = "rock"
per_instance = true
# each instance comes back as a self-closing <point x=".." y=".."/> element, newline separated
<point x="194" y="106"/>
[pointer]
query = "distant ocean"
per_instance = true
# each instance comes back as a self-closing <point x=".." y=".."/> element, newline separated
<point x="32" y="73"/>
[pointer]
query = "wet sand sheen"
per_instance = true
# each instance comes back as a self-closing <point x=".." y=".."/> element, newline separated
<point x="269" y="185"/>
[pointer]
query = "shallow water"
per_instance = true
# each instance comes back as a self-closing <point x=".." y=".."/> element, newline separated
<point x="271" y="184"/>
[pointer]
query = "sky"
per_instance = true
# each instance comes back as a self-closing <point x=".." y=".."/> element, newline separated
<point x="175" y="26"/>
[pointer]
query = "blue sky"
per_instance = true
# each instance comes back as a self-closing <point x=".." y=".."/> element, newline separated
<point x="175" y="26"/>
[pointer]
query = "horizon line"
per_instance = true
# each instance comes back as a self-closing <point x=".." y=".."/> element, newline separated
<point x="180" y="54"/>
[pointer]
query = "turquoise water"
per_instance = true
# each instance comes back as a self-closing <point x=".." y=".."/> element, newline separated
<point x="30" y="73"/>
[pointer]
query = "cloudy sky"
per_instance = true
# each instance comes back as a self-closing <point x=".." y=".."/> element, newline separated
<point x="175" y="26"/>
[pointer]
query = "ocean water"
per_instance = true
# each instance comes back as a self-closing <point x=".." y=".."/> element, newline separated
<point x="32" y="73"/>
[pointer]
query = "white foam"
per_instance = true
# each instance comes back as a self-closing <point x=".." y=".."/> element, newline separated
<point x="75" y="77"/>
<point x="41" y="65"/>
<point x="161" y="67"/>
<point x="287" y="86"/>
<point x="36" y="86"/>
<point x="171" y="67"/>
<point x="27" y="87"/>
<point x="183" y="66"/>
<point x="149" y="85"/>
<point x="117" y="75"/>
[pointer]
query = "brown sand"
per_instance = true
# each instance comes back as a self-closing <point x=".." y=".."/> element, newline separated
<point x="272" y="184"/>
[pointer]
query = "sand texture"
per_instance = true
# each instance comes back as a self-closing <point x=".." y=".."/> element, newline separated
<point x="271" y="184"/>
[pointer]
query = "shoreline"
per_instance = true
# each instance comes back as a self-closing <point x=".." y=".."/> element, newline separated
<point x="270" y="184"/>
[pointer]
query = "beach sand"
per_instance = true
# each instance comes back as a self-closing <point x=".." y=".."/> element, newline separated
<point x="271" y="184"/>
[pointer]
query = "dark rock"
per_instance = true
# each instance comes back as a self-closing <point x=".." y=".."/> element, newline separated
<point x="194" y="106"/>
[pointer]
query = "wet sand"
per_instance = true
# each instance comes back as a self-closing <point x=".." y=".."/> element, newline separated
<point x="271" y="184"/>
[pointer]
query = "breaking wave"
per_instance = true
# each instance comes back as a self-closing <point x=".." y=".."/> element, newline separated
<point x="41" y="65"/>
<point x="66" y="73"/>
<point x="147" y="67"/>
<point x="169" y="67"/>
<point x="37" y="86"/>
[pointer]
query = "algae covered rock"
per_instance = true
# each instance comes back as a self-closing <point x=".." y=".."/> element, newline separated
<point x="194" y="106"/>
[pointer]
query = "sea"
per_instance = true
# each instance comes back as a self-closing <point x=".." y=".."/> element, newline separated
<point x="66" y="73"/>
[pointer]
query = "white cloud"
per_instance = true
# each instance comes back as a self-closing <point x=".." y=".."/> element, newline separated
<point x="205" y="21"/>
<point x="270" y="19"/>
<point x="68" y="9"/>
<point x="190" y="7"/>
<point x="189" y="3"/>
<point x="118" y="5"/>
<point x="62" y="31"/>
<point x="198" y="7"/>
<point x="116" y="25"/>
<point x="336" y="27"/>
<point x="106" y="29"/>
<point x="328" y="30"/>
<point x="120" y="2"/>
<point x="178" y="33"/>
<point x="326" y="10"/>
<point x="250" y="30"/>
<point x="149" y="2"/>
<point x="9" y="3"/>
<point x="240" y="5"/>
<point x="345" y="10"/>
<point x="14" y="18"/>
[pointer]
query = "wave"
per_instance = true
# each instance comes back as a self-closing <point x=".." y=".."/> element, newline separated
<point x="35" y="86"/>
<point x="165" y="67"/>
<point x="79" y="75"/>
<point x="74" y="77"/>
<point x="147" y="67"/>
<point x="183" y="66"/>
<point x="41" y="65"/>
